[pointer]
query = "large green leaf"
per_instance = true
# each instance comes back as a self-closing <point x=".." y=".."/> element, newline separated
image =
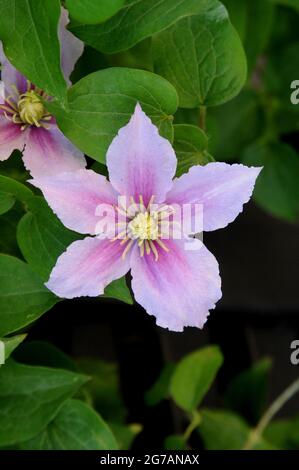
<point x="137" y="20"/>
<point x="6" y="202"/>
<point x="23" y="297"/>
<point x="42" y="238"/>
<point x="28" y="31"/>
<point x="246" y="394"/>
<point x="276" y="189"/>
<point x="30" y="398"/>
<point x="191" y="147"/>
<point x="75" y="427"/>
<point x="8" y="223"/>
<point x="193" y="377"/>
<point x="202" y="56"/>
<point x="93" y="11"/>
<point x="102" y="102"/>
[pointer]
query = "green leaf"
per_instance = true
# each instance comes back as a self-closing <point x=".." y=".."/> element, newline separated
<point x="223" y="430"/>
<point x="276" y="189"/>
<point x="30" y="398"/>
<point x="28" y="31"/>
<point x="23" y="297"/>
<point x="42" y="238"/>
<point x="15" y="189"/>
<point x="194" y="375"/>
<point x="75" y="427"/>
<point x="191" y="147"/>
<point x="175" y="442"/>
<point x="119" y="290"/>
<point x="41" y="353"/>
<point x="246" y="394"/>
<point x="202" y="56"/>
<point x="102" y="102"/>
<point x="6" y="202"/>
<point x="103" y="388"/>
<point x="125" y="434"/>
<point x="8" y="223"/>
<point x="231" y="136"/>
<point x="287" y="3"/>
<point x="160" y="389"/>
<point x="279" y="433"/>
<point x="10" y="344"/>
<point x="137" y="20"/>
<point x="93" y="11"/>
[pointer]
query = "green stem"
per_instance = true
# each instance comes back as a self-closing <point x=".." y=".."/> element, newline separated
<point x="257" y="432"/>
<point x="202" y="117"/>
<point x="195" y="421"/>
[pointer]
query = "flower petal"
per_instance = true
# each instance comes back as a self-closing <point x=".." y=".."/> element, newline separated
<point x="180" y="288"/>
<point x="48" y="152"/>
<point x="87" y="267"/>
<point x="222" y="189"/>
<point x="11" y="138"/>
<point x="10" y="76"/>
<point x="71" y="47"/>
<point x="74" y="197"/>
<point x="140" y="161"/>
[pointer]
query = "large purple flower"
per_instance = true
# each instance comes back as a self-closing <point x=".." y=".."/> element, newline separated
<point x="175" y="284"/>
<point x="26" y="125"/>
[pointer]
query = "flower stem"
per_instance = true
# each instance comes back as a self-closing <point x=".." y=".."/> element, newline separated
<point x="280" y="401"/>
<point x="195" y="421"/>
<point x="202" y="117"/>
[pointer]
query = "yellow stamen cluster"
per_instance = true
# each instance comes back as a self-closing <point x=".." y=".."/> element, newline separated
<point x="26" y="109"/>
<point x="144" y="226"/>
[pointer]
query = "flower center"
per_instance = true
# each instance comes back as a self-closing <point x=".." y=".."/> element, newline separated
<point x="31" y="108"/>
<point x="144" y="226"/>
<point x="27" y="108"/>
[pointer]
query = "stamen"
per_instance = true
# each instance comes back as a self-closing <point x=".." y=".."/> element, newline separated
<point x="162" y="245"/>
<point x="154" y="249"/>
<point x="147" y="247"/>
<point x="127" y="249"/>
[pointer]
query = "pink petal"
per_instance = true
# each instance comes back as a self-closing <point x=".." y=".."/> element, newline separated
<point x="87" y="267"/>
<point x="48" y="152"/>
<point x="140" y="161"/>
<point x="74" y="197"/>
<point x="222" y="189"/>
<point x="180" y="288"/>
<point x="71" y="47"/>
<point x="10" y="76"/>
<point x="11" y="138"/>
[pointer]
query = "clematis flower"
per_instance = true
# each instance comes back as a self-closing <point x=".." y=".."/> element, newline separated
<point x="26" y="125"/>
<point x="176" y="285"/>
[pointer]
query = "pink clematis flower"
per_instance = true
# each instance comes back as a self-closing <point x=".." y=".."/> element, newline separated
<point x="26" y="125"/>
<point x="176" y="285"/>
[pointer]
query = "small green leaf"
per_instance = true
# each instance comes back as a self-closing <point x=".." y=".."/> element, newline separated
<point x="125" y="434"/>
<point x="28" y="31"/>
<point x="119" y="290"/>
<point x="104" y="388"/>
<point x="93" y="11"/>
<point x="42" y="238"/>
<point x="102" y="102"/>
<point x="191" y="147"/>
<point x="202" y="56"/>
<point x="223" y="430"/>
<point x="23" y="297"/>
<point x="6" y="202"/>
<point x="137" y="20"/>
<point x="160" y="389"/>
<point x="75" y="427"/>
<point x="276" y="189"/>
<point x="15" y="189"/>
<point x="194" y="375"/>
<point x="10" y="344"/>
<point x="246" y="394"/>
<point x="30" y="398"/>
<point x="175" y="442"/>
